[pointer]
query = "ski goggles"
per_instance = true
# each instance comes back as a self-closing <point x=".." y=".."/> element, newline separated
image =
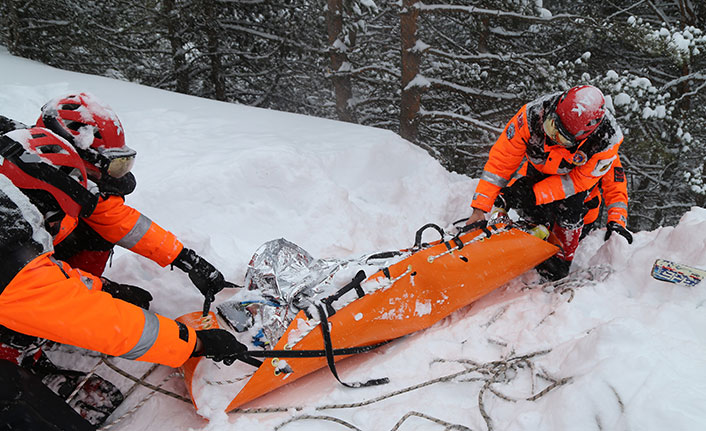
<point x="555" y="131"/>
<point x="118" y="161"/>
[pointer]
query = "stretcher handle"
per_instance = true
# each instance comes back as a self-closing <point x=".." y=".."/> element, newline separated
<point x="354" y="284"/>
<point x="418" y="236"/>
<point x="480" y="224"/>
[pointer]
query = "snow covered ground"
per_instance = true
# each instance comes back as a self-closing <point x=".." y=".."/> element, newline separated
<point x="612" y="350"/>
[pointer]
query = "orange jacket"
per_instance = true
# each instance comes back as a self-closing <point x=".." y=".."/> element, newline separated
<point x="567" y="172"/>
<point x="125" y="226"/>
<point x="50" y="300"/>
<point x="615" y="194"/>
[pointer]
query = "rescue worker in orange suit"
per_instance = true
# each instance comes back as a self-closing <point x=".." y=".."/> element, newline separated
<point x="615" y="193"/>
<point x="96" y="133"/>
<point x="558" y="147"/>
<point x="43" y="187"/>
<point x="85" y="243"/>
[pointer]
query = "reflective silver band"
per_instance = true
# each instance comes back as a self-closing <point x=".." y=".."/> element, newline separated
<point x="479" y="195"/>
<point x="150" y="332"/>
<point x="494" y="179"/>
<point x="136" y="233"/>
<point x="87" y="281"/>
<point x="568" y="185"/>
<point x="622" y="205"/>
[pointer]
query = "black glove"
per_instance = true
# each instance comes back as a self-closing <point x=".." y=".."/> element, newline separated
<point x="614" y="226"/>
<point x="519" y="195"/>
<point x="128" y="293"/>
<point x="219" y="345"/>
<point x="205" y="276"/>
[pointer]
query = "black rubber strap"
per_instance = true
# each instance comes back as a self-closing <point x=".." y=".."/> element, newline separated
<point x="354" y="284"/>
<point x="486" y="231"/>
<point x="9" y="148"/>
<point x="420" y="232"/>
<point x="248" y="359"/>
<point x="329" y="352"/>
<point x="329" y="356"/>
<point x="480" y="224"/>
<point x="312" y="353"/>
<point x="384" y="255"/>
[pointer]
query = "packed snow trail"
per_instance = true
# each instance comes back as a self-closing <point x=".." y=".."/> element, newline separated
<point x="628" y="350"/>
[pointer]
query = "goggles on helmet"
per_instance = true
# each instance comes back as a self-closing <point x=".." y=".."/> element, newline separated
<point x="556" y="132"/>
<point x="121" y="165"/>
<point x="116" y="162"/>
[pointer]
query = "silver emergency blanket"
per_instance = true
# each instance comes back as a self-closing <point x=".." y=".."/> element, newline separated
<point x="289" y="279"/>
<point x="283" y="279"/>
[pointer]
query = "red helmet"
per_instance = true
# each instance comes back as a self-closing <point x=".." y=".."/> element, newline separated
<point x="94" y="129"/>
<point x="37" y="159"/>
<point x="579" y="111"/>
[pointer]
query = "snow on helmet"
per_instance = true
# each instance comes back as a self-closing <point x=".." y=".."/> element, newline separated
<point x="37" y="159"/>
<point x="94" y="129"/>
<point x="579" y="111"/>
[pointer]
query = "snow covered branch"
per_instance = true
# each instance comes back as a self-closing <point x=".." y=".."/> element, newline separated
<point x="469" y="91"/>
<point x="433" y="115"/>
<point x="472" y="10"/>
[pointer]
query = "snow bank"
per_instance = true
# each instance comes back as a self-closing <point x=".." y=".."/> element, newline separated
<point x="609" y="349"/>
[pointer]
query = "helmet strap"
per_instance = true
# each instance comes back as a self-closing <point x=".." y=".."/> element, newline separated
<point x="51" y="123"/>
<point x="10" y="148"/>
<point x="49" y="174"/>
<point x="94" y="158"/>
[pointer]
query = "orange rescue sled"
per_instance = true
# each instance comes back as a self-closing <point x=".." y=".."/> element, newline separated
<point x="415" y="293"/>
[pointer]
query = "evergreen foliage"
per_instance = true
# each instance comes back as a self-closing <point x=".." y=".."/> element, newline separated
<point x="471" y="65"/>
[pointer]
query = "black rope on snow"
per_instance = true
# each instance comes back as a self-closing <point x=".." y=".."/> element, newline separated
<point x="491" y="373"/>
<point x="447" y="425"/>
<point x="317" y="417"/>
<point x="145" y="384"/>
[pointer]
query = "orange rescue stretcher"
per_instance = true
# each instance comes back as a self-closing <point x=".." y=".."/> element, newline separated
<point x="443" y="277"/>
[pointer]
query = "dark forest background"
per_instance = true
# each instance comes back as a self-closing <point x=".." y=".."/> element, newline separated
<point x="446" y="75"/>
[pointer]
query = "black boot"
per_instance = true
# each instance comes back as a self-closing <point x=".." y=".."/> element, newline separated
<point x="554" y="268"/>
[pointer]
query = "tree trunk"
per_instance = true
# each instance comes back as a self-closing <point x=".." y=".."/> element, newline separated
<point x="214" y="43"/>
<point x="13" y="23"/>
<point x="484" y="34"/>
<point x="179" y="63"/>
<point x="411" y="95"/>
<point x="688" y="18"/>
<point x="337" y="48"/>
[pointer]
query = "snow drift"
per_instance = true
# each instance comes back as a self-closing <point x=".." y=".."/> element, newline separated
<point x="609" y="348"/>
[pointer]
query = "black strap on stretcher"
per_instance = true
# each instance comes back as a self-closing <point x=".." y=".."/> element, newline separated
<point x="328" y="351"/>
<point x="354" y="284"/>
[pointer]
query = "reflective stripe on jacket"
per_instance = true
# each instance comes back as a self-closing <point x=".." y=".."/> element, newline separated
<point x="48" y="301"/>
<point x="125" y="226"/>
<point x="615" y="194"/>
<point x="569" y="172"/>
